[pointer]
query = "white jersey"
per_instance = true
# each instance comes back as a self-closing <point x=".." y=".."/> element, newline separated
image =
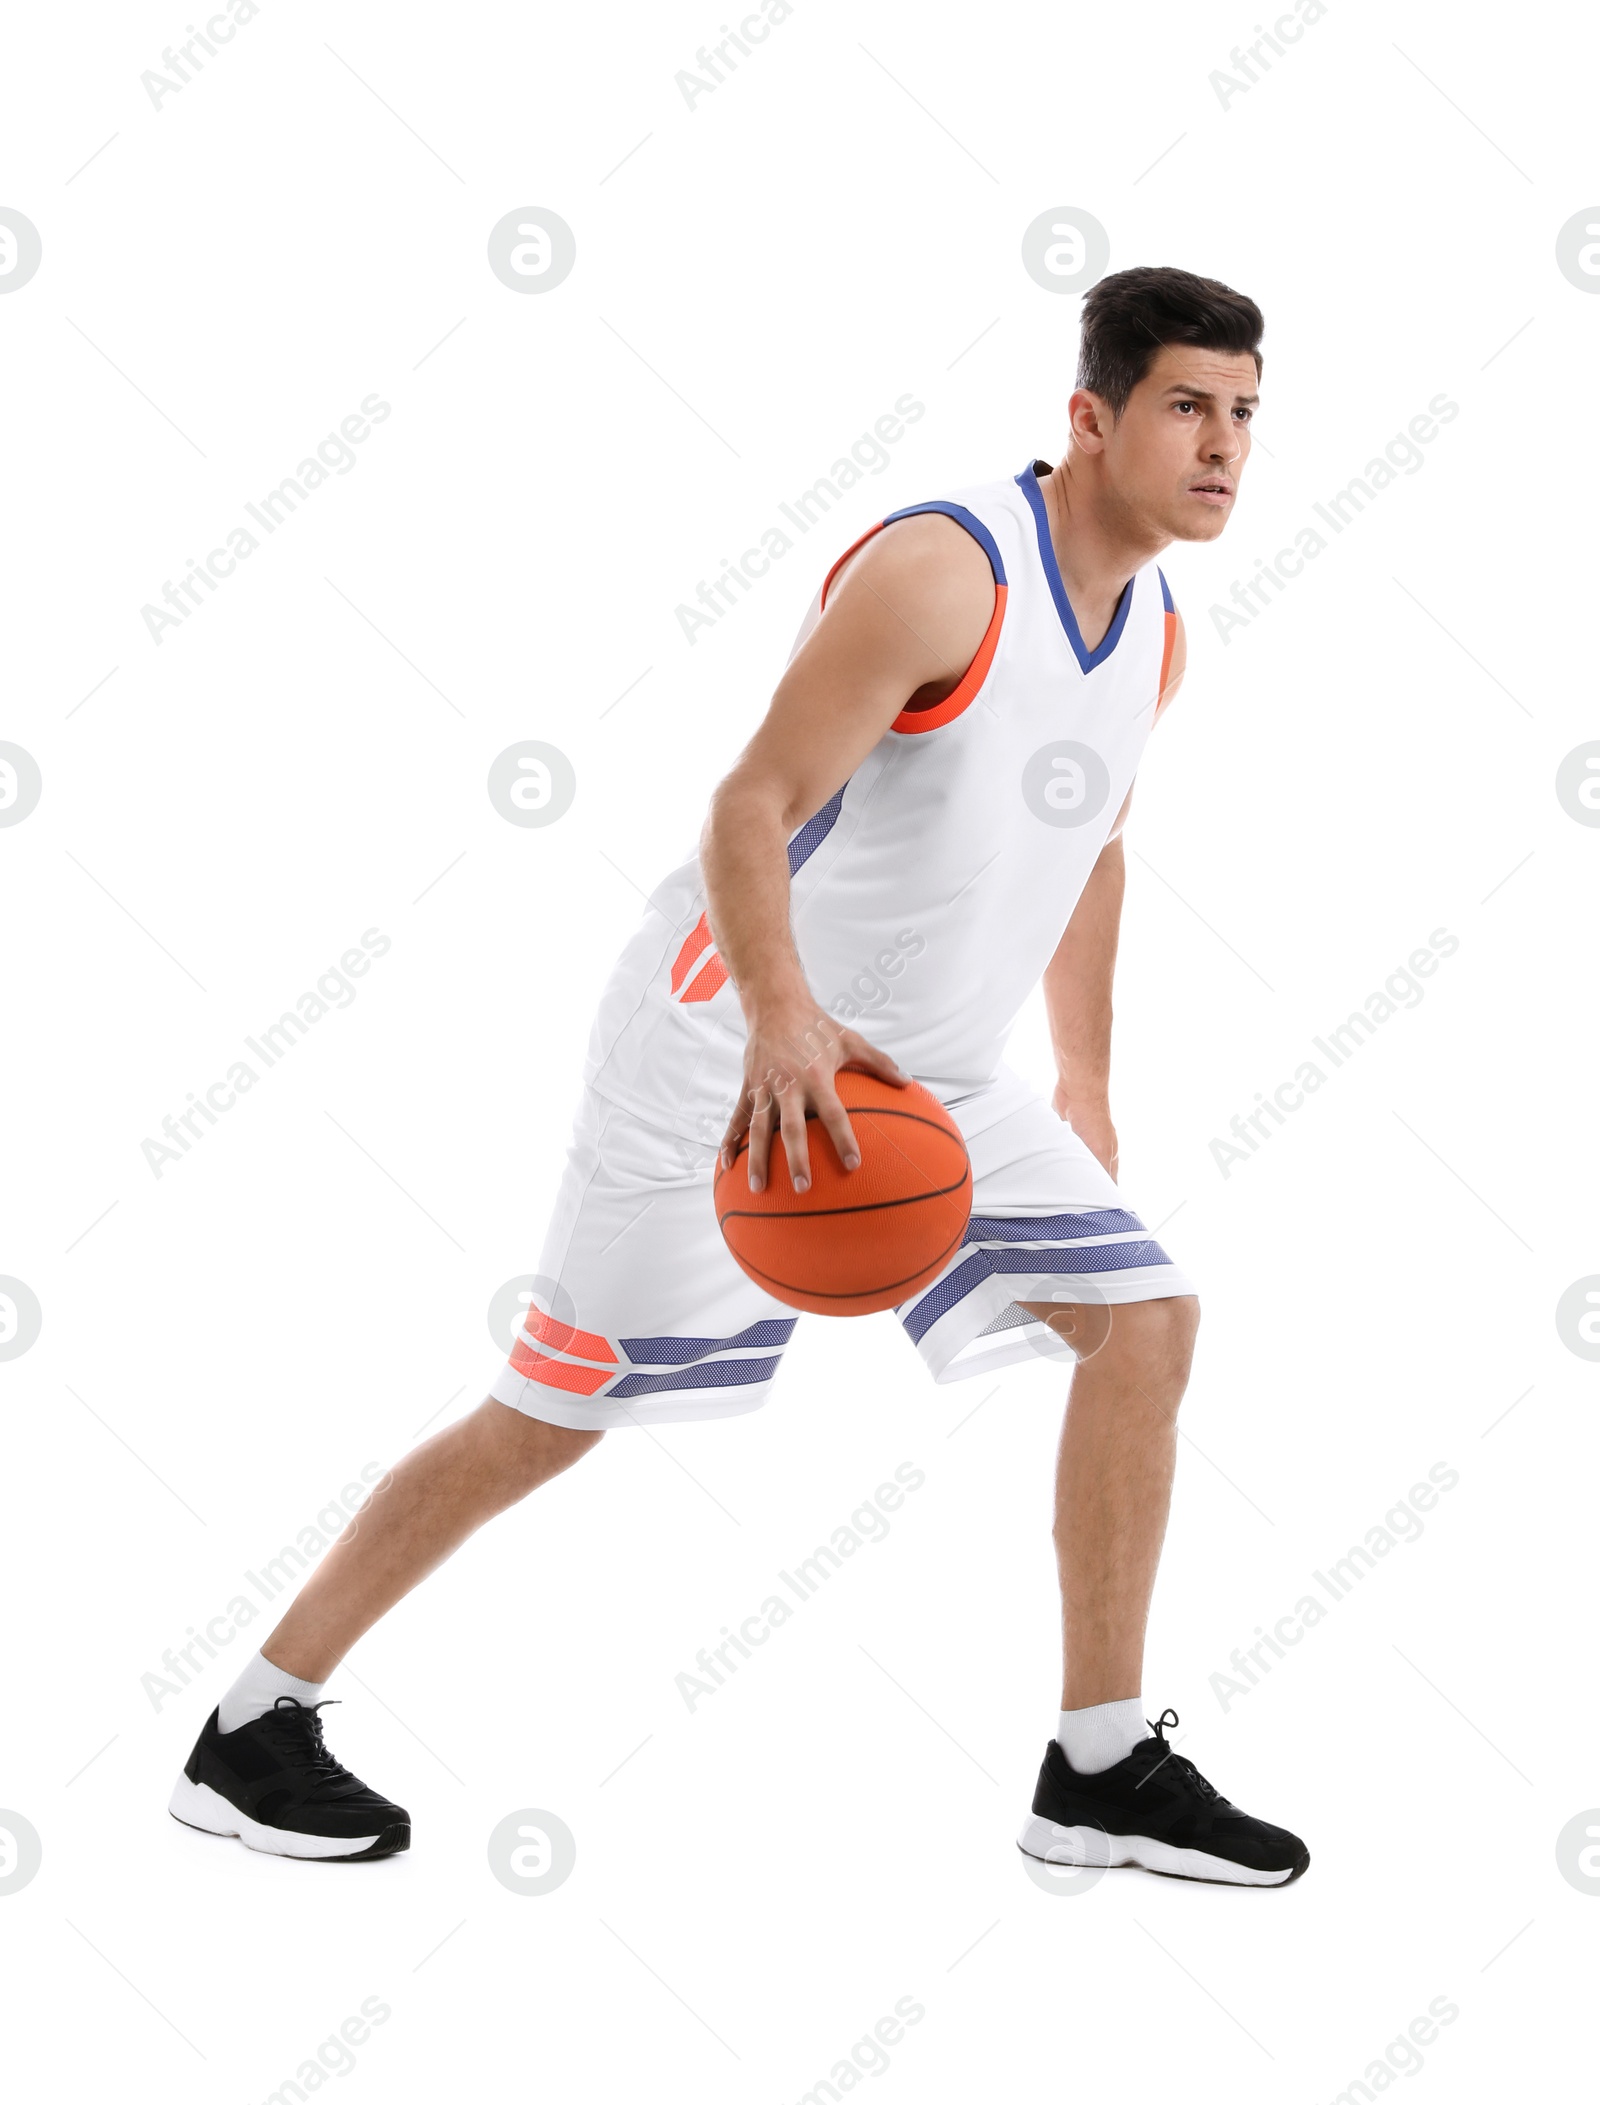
<point x="929" y="893"/>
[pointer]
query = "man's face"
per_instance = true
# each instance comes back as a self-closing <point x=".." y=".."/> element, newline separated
<point x="1176" y="453"/>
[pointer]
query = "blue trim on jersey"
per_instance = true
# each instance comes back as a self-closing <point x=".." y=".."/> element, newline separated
<point x="721" y="1374"/>
<point x="1028" y="483"/>
<point x="678" y="1352"/>
<point x="1166" y="594"/>
<point x="970" y="520"/>
<point x="816" y="829"/>
<point x="1051" y="1227"/>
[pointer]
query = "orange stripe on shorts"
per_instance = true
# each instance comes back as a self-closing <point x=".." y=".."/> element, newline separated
<point x="562" y="1337"/>
<point x="559" y="1373"/>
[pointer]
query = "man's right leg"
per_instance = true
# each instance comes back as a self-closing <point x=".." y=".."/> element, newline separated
<point x="260" y="1769"/>
<point x="638" y="1315"/>
<point x="417" y="1516"/>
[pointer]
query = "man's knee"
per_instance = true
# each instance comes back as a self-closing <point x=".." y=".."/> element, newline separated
<point x="1160" y="1334"/>
<point x="1157" y="1336"/>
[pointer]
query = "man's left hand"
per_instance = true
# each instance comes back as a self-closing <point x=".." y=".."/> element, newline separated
<point x="1092" y="1124"/>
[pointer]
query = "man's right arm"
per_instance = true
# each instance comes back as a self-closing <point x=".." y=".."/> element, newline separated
<point x="904" y="619"/>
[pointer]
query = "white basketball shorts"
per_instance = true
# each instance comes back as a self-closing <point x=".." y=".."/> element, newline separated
<point x="639" y="1314"/>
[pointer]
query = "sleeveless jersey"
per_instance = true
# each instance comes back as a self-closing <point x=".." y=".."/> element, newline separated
<point x="930" y="892"/>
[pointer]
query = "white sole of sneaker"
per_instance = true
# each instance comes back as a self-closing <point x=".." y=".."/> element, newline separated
<point x="197" y="1805"/>
<point x="1091" y="1847"/>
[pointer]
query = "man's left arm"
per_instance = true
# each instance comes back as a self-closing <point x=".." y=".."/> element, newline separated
<point x="1077" y="980"/>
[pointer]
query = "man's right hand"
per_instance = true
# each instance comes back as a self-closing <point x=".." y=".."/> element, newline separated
<point x="792" y="1054"/>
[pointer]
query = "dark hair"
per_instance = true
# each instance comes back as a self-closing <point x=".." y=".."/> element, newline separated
<point x="1129" y="316"/>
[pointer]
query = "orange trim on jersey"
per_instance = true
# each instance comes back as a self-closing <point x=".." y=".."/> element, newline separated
<point x="712" y="975"/>
<point x="822" y="600"/>
<point x="971" y="680"/>
<point x="562" y="1337"/>
<point x="698" y="950"/>
<point x="560" y="1373"/>
<point x="697" y="940"/>
<point x="1169" y="624"/>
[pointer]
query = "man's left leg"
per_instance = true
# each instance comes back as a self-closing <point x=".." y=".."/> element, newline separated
<point x="1109" y="1792"/>
<point x="1114" y="1483"/>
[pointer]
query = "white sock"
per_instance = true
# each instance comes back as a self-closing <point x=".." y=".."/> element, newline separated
<point x="258" y="1688"/>
<point x="1101" y="1736"/>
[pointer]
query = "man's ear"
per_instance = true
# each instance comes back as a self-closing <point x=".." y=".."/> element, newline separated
<point x="1089" y="419"/>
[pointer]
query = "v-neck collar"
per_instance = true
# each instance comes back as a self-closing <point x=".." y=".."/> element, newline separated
<point x="1028" y="483"/>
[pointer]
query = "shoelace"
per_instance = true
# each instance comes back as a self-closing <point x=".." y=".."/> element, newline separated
<point x="1159" y="1726"/>
<point x="297" y="1728"/>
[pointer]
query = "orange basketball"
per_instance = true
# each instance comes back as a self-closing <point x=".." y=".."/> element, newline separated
<point x="858" y="1239"/>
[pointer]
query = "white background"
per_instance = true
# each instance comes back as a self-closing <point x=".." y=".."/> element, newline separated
<point x="225" y="1346"/>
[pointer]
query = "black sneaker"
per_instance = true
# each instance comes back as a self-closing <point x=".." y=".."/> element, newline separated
<point x="1156" y="1810"/>
<point x="274" y="1784"/>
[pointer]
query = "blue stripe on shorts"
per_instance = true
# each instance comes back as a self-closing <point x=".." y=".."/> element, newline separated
<point x="717" y="1374"/>
<point x="1048" y="1245"/>
<point x="677" y="1352"/>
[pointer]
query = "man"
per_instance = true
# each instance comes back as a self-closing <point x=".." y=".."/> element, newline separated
<point x="933" y="806"/>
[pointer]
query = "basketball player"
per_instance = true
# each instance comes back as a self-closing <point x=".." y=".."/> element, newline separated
<point x="933" y="804"/>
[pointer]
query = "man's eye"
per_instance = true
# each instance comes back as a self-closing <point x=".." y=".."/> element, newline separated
<point x="1246" y="414"/>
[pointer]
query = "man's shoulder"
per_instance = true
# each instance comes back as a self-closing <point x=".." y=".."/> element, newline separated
<point x="922" y="577"/>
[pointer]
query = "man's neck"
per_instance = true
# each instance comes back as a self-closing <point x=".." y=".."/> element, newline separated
<point x="1098" y="545"/>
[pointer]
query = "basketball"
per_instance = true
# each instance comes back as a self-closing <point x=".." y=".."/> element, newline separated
<point x="860" y="1239"/>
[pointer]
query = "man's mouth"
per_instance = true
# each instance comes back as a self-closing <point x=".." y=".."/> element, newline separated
<point x="1216" y="489"/>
